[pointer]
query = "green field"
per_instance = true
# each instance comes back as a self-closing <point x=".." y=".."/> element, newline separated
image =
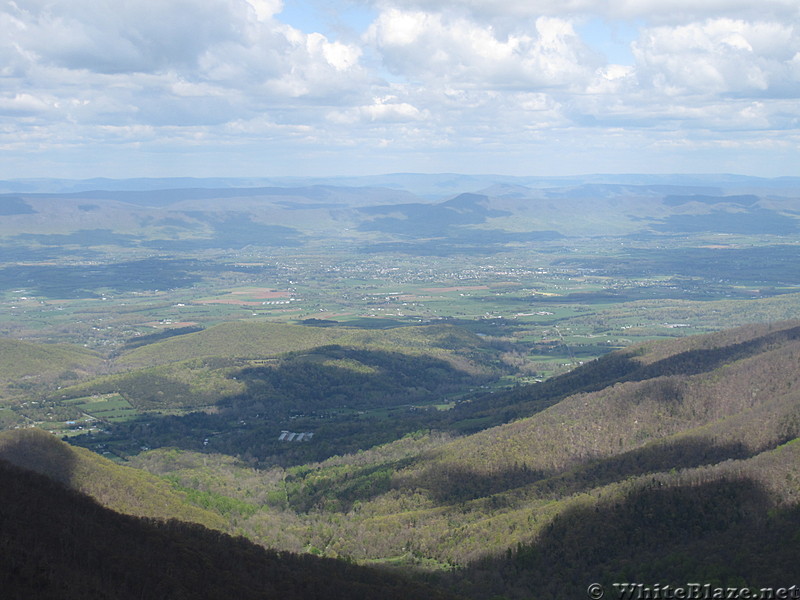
<point x="111" y="408"/>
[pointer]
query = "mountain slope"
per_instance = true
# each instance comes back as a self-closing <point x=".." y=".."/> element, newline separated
<point x="119" y="488"/>
<point x="731" y="524"/>
<point x="58" y="543"/>
<point x="706" y="425"/>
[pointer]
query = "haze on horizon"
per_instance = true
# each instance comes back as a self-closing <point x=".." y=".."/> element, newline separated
<point x="156" y="88"/>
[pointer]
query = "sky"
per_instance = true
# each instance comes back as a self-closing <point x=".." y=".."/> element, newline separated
<point x="259" y="88"/>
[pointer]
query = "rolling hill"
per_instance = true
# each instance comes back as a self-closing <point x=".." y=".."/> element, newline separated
<point x="692" y="442"/>
<point x="20" y="359"/>
<point x="28" y="369"/>
<point x="259" y="340"/>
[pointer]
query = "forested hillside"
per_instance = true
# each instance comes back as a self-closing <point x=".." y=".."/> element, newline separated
<point x="668" y="462"/>
<point x="692" y="443"/>
<point x="124" y="490"/>
<point x="234" y="387"/>
<point x="58" y="543"/>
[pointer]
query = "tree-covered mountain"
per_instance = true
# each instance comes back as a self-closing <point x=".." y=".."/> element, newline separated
<point x="59" y="543"/>
<point x="121" y="489"/>
<point x="669" y="461"/>
<point x="690" y="442"/>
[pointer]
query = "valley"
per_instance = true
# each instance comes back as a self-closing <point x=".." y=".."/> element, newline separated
<point x="499" y="387"/>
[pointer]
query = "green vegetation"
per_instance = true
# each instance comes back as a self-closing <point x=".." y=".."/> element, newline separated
<point x="20" y="360"/>
<point x="258" y="340"/>
<point x="122" y="489"/>
<point x="700" y="426"/>
<point x="475" y="388"/>
<point x="112" y="408"/>
<point x="348" y="398"/>
<point x="187" y="384"/>
<point x="26" y="369"/>
<point x="58" y="543"/>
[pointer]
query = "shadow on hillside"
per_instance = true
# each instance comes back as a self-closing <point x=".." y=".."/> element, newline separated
<point x="773" y="265"/>
<point x="454" y="483"/>
<point x="723" y="532"/>
<point x="616" y="367"/>
<point x="350" y="399"/>
<point x="78" y="281"/>
<point x="661" y="457"/>
<point x="693" y="362"/>
<point x="58" y="543"/>
<point x="39" y="451"/>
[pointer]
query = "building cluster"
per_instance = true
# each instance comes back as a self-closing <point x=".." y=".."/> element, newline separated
<point x="290" y="436"/>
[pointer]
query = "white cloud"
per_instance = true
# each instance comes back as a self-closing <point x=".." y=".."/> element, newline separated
<point x="340" y="56"/>
<point x="24" y="104"/>
<point x="388" y="109"/>
<point x="508" y="14"/>
<point x="465" y="76"/>
<point x="265" y="9"/>
<point x="118" y="36"/>
<point x="720" y="56"/>
<point x="167" y="61"/>
<point x="676" y="11"/>
<point x="434" y="47"/>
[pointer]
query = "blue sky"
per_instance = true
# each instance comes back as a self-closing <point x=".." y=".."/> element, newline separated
<point x="138" y="88"/>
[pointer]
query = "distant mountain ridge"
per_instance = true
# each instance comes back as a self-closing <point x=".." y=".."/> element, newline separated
<point x="469" y="211"/>
<point x="425" y="184"/>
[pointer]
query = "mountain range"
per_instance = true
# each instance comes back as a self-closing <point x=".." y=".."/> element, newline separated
<point x="465" y="211"/>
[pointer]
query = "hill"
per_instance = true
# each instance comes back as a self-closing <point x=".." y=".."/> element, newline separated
<point x="28" y="369"/>
<point x="258" y="340"/>
<point x="345" y="397"/>
<point x="690" y="442"/>
<point x="122" y="489"/>
<point x="58" y="543"/>
<point x="42" y="362"/>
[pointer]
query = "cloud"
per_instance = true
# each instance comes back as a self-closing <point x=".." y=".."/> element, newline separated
<point x="436" y="47"/>
<point x="265" y="9"/>
<point x="660" y="11"/>
<point x="24" y="104"/>
<point x="468" y="77"/>
<point x="386" y="109"/>
<point x="721" y="56"/>
<point x="677" y="11"/>
<point x="119" y="36"/>
<point x="167" y="62"/>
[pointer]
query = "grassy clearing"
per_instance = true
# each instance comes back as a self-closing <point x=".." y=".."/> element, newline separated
<point x="112" y="408"/>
